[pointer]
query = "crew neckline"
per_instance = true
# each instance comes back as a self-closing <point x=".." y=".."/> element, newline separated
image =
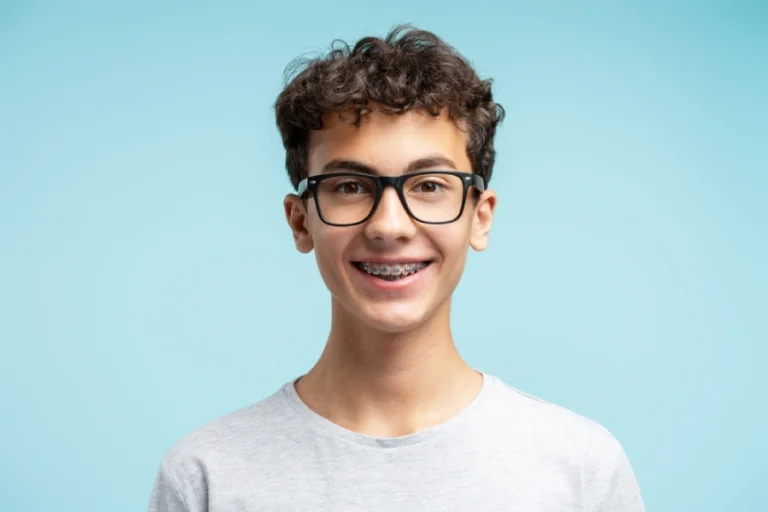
<point x="320" y="422"/>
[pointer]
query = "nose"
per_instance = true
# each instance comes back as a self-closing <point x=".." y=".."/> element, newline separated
<point x="390" y="221"/>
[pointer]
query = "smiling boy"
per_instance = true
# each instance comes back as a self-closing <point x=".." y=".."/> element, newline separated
<point x="390" y="146"/>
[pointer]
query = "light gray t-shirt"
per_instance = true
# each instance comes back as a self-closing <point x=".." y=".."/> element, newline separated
<point x="506" y="451"/>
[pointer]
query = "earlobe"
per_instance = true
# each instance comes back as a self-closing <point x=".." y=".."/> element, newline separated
<point x="482" y="220"/>
<point x="296" y="215"/>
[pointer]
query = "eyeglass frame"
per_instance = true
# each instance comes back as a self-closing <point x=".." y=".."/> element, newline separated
<point x="311" y="183"/>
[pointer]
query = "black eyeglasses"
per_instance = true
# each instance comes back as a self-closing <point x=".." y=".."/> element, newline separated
<point x="430" y="197"/>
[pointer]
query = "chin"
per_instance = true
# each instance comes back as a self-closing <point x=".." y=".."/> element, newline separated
<point x="394" y="318"/>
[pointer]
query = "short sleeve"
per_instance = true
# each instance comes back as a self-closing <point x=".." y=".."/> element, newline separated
<point x="608" y="480"/>
<point x="166" y="496"/>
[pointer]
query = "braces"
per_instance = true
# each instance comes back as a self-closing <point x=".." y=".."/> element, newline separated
<point x="394" y="270"/>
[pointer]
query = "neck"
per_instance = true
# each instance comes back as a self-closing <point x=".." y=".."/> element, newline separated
<point x="389" y="384"/>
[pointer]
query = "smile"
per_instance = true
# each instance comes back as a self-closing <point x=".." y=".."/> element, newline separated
<point x="391" y="271"/>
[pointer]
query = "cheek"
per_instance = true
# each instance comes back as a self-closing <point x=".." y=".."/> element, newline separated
<point x="452" y="240"/>
<point x="453" y="245"/>
<point x="330" y="247"/>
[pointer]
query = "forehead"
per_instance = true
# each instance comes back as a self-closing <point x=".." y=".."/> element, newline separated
<point x="388" y="142"/>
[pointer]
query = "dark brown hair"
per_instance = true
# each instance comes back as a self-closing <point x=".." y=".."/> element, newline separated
<point x="409" y="69"/>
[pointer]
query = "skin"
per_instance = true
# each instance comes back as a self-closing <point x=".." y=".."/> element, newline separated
<point x="390" y="366"/>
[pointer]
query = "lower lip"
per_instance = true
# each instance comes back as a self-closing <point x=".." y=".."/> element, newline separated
<point x="395" y="285"/>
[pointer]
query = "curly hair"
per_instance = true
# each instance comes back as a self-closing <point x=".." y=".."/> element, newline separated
<point x="409" y="69"/>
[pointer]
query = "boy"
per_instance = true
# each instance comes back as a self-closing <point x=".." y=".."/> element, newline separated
<point x="390" y="148"/>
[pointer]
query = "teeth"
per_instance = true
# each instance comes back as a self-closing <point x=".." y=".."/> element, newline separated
<point x="395" y="270"/>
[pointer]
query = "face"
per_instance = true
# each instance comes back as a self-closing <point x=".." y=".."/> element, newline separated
<point x="390" y="145"/>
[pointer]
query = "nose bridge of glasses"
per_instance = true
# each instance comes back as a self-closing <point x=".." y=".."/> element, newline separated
<point x="390" y="197"/>
<point x="391" y="181"/>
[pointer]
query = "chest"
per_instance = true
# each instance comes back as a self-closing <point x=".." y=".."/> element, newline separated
<point x="400" y="482"/>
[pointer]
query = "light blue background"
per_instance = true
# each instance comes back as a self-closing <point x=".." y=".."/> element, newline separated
<point x="148" y="282"/>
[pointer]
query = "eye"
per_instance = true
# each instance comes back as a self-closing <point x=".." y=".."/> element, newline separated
<point x="349" y="188"/>
<point x="428" y="187"/>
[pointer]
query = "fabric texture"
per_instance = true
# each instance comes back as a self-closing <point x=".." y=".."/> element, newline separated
<point x="506" y="451"/>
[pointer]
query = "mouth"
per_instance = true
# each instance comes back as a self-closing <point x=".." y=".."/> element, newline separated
<point x="390" y="271"/>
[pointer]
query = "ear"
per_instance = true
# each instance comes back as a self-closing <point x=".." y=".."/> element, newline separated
<point x="481" y="220"/>
<point x="296" y="215"/>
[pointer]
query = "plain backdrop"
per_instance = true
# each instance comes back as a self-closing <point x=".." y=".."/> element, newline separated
<point x="149" y="284"/>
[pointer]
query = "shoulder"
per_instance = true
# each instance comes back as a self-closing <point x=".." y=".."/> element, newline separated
<point x="226" y="440"/>
<point x="547" y="420"/>
<point x="575" y="443"/>
<point x="214" y="455"/>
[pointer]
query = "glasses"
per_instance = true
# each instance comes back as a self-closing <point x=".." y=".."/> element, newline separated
<point x="430" y="197"/>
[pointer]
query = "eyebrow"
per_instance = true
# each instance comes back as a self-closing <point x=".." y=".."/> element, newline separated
<point x="429" y="162"/>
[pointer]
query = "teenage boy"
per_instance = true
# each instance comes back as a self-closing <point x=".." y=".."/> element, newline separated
<point x="390" y="148"/>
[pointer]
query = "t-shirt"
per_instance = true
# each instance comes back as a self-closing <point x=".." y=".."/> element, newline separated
<point x="506" y="451"/>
